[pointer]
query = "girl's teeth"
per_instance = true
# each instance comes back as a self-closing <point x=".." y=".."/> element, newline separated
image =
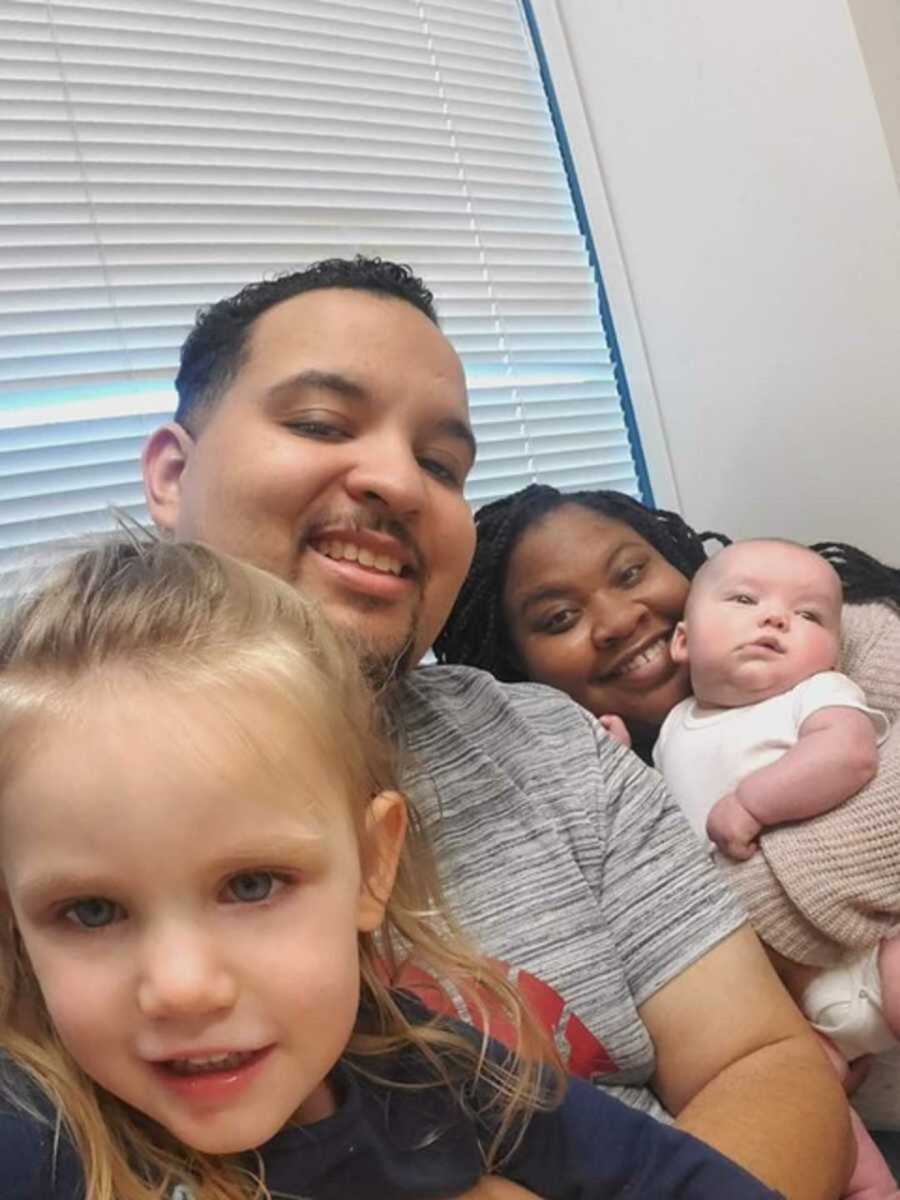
<point x="216" y="1062"/>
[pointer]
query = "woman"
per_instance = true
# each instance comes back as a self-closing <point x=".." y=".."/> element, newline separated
<point x="582" y="591"/>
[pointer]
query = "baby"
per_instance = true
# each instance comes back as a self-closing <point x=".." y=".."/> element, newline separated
<point x="774" y="733"/>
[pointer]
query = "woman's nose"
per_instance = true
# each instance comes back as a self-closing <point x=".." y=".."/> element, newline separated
<point x="614" y="619"/>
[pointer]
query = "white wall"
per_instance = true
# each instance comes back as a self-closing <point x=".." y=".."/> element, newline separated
<point x="747" y="219"/>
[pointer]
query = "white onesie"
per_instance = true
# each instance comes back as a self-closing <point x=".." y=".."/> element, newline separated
<point x="704" y="753"/>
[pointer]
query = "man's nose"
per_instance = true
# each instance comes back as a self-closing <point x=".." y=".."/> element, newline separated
<point x="387" y="472"/>
<point x="184" y="975"/>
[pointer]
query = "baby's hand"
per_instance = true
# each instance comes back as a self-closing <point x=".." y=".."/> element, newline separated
<point x="615" y="727"/>
<point x="732" y="828"/>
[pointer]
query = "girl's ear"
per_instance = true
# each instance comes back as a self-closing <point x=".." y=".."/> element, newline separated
<point x="384" y="834"/>
<point x="679" y="648"/>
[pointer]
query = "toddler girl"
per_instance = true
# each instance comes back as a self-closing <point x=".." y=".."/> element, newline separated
<point x="210" y="880"/>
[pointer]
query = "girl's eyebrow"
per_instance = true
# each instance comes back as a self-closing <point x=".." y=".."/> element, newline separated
<point x="271" y="852"/>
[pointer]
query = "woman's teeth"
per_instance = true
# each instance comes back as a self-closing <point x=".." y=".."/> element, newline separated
<point x="349" y="552"/>
<point x="643" y="657"/>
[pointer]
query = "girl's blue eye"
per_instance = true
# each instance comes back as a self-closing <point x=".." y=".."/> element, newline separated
<point x="93" y="913"/>
<point x="251" y="887"/>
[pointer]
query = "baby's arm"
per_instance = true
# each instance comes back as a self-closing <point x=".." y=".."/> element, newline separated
<point x="836" y="755"/>
<point x="615" y="727"/>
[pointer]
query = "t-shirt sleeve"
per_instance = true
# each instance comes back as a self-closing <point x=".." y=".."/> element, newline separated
<point x="666" y="903"/>
<point x="831" y="689"/>
<point x="592" y="1147"/>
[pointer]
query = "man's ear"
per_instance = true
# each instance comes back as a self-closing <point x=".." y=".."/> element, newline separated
<point x="383" y="837"/>
<point x="678" y="648"/>
<point x="163" y="461"/>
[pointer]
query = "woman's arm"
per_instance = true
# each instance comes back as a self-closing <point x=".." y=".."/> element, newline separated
<point x="739" y="1068"/>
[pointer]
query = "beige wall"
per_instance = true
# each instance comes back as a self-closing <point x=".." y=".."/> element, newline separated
<point x="878" y="29"/>
<point x="747" y="217"/>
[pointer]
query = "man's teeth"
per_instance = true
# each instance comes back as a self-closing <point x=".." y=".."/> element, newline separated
<point x="643" y="657"/>
<point x="350" y="552"/>
<point x="214" y="1062"/>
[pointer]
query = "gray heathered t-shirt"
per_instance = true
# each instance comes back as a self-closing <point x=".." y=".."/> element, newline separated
<point x="564" y="856"/>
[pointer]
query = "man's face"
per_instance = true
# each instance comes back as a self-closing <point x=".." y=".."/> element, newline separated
<point x="761" y="618"/>
<point x="336" y="460"/>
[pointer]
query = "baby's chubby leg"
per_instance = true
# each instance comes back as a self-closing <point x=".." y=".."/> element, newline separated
<point x="889" y="974"/>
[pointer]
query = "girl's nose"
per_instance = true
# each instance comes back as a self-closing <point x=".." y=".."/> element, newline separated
<point x="184" y="977"/>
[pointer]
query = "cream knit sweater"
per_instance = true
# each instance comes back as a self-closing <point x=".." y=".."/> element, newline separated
<point x="832" y="883"/>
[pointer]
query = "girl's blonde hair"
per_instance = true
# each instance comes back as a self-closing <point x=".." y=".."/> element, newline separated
<point x="180" y="615"/>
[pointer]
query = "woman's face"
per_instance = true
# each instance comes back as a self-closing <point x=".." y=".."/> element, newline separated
<point x="591" y="607"/>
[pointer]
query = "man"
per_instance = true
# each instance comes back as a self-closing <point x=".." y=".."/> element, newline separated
<point x="323" y="434"/>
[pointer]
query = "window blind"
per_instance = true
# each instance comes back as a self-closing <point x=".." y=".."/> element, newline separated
<point x="156" y="155"/>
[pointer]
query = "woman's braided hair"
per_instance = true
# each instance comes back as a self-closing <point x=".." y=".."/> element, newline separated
<point x="476" y="632"/>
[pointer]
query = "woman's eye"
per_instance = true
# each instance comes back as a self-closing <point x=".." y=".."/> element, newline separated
<point x="93" y="913"/>
<point x="251" y="887"/>
<point x="631" y="574"/>
<point x="558" y="622"/>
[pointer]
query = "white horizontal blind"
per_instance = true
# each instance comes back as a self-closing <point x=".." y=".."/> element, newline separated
<point x="158" y="154"/>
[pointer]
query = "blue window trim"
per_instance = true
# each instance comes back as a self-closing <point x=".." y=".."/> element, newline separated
<point x="634" y="437"/>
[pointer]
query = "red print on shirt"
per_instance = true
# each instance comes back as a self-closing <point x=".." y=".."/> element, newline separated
<point x="581" y="1052"/>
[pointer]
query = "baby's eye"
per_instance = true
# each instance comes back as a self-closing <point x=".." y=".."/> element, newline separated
<point x="808" y="615"/>
<point x="743" y="598"/>
<point x="93" y="913"/>
<point x="251" y="887"/>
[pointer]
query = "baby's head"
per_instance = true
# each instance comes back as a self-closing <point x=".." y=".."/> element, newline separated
<point x="761" y="617"/>
<point x="198" y="840"/>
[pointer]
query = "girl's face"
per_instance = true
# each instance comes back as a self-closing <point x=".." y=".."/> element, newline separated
<point x="189" y="890"/>
<point x="591" y="608"/>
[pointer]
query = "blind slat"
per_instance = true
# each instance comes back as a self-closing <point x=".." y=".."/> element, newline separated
<point x="158" y="154"/>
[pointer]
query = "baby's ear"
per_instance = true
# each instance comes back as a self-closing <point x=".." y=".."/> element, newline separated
<point x="678" y="648"/>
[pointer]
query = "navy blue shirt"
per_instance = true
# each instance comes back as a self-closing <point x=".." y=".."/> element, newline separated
<point x="388" y="1143"/>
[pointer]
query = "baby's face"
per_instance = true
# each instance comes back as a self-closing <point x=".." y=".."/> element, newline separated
<point x="760" y="618"/>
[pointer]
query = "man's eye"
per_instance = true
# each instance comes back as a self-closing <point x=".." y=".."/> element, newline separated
<point x="440" y="471"/>
<point x="317" y="429"/>
<point x="251" y="887"/>
<point x="93" y="913"/>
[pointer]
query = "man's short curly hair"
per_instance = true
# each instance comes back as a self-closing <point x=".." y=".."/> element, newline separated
<point x="216" y="348"/>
